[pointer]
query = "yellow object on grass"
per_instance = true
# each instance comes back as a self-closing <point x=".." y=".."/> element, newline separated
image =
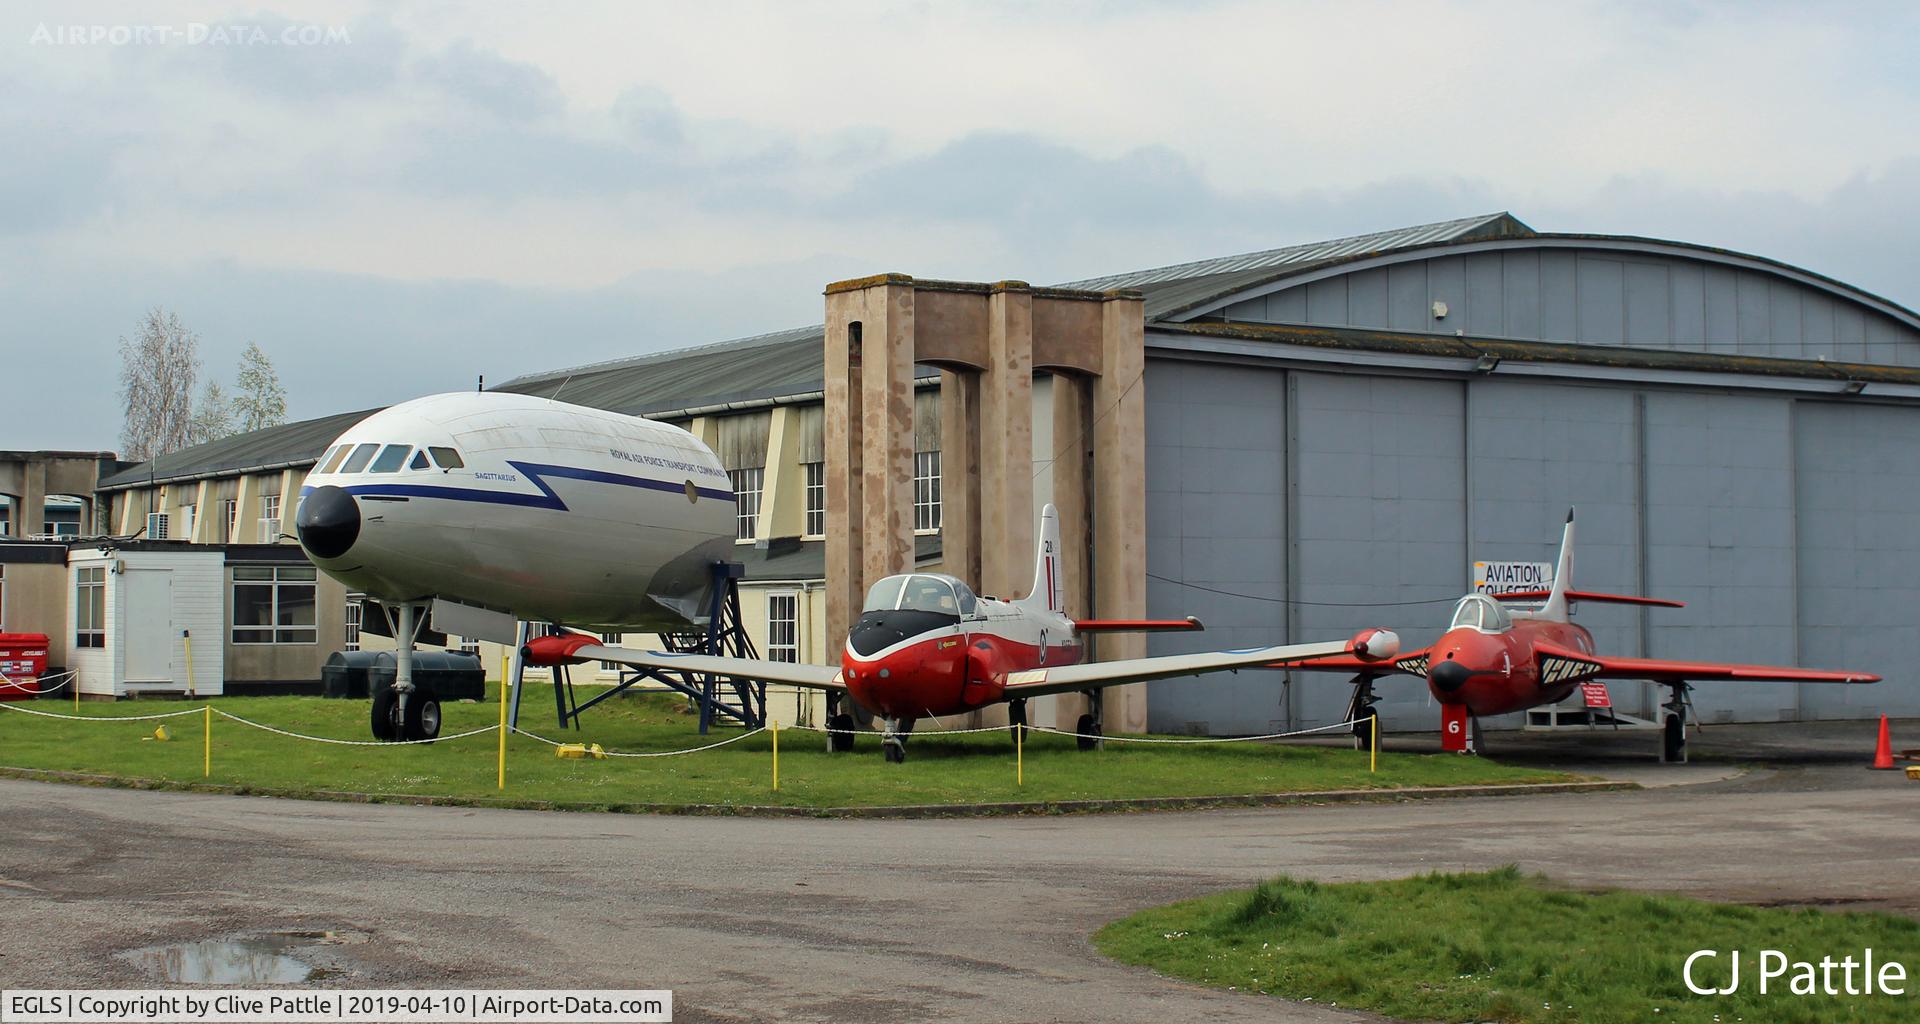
<point x="580" y="750"/>
<point x="161" y="734"/>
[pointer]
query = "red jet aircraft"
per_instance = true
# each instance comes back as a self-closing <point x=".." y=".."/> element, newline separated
<point x="925" y="646"/>
<point x="1494" y="660"/>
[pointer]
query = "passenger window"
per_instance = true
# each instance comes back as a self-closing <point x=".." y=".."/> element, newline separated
<point x="446" y="458"/>
<point x="392" y="457"/>
<point x="359" y="459"/>
<point x="419" y="460"/>
<point x="334" y="457"/>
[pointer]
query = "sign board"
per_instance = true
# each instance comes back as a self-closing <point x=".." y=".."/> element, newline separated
<point x="1511" y="577"/>
<point x="1595" y="695"/>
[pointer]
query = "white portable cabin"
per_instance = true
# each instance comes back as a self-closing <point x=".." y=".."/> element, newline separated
<point x="134" y="612"/>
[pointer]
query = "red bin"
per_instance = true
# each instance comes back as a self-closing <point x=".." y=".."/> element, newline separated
<point x="23" y="660"/>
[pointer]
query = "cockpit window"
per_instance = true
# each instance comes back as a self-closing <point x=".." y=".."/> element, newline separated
<point x="359" y="459"/>
<point x="392" y="457"/>
<point x="967" y="602"/>
<point x="333" y="458"/>
<point x="419" y="460"/>
<point x="929" y="594"/>
<point x="884" y="595"/>
<point x="446" y="458"/>
<point x="1478" y="611"/>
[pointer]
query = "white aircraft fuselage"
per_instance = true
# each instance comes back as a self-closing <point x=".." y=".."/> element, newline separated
<point x="520" y="504"/>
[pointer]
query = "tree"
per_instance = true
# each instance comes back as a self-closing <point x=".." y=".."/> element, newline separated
<point x="259" y="400"/>
<point x="158" y="369"/>
<point x="213" y="419"/>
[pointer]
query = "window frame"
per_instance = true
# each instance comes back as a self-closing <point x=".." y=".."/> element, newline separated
<point x="746" y="502"/>
<point x="352" y="619"/>
<point x="789" y="650"/>
<point x="815" y="523"/>
<point x="278" y="633"/>
<point x="90" y="607"/>
<point x="927" y="511"/>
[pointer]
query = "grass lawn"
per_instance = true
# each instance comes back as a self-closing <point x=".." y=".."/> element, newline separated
<point x="1504" y="947"/>
<point x="939" y="770"/>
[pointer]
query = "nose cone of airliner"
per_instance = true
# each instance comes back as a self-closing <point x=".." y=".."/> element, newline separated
<point x="328" y="522"/>
<point x="1448" y="676"/>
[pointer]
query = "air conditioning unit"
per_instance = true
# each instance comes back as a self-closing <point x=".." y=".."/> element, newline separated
<point x="156" y="526"/>
<point x="270" y="530"/>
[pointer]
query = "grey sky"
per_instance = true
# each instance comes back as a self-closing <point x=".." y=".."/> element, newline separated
<point x="453" y="190"/>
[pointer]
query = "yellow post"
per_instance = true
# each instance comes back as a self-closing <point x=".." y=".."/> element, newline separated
<point x="776" y="755"/>
<point x="73" y="681"/>
<point x="206" y="744"/>
<point x="503" y="722"/>
<point x="1373" y="756"/>
<point x="187" y="636"/>
<point x="1019" y="756"/>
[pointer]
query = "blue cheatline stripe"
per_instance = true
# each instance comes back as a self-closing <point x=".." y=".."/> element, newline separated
<point x="535" y="472"/>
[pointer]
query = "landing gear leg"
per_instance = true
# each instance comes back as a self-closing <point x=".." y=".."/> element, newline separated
<point x="1673" y="726"/>
<point x="395" y="714"/>
<point x="840" y="725"/>
<point x="1017" y="719"/>
<point x="1362" y="714"/>
<point x="1089" y="725"/>
<point x="894" y="744"/>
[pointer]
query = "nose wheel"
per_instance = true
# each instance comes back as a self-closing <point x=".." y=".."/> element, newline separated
<point x="894" y="743"/>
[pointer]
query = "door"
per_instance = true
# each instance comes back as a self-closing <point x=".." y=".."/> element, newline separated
<point x="147" y="624"/>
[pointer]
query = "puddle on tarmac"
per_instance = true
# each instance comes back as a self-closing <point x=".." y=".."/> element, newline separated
<point x="223" y="962"/>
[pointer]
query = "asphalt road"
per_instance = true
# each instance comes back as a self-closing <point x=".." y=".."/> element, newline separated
<point x="853" y="920"/>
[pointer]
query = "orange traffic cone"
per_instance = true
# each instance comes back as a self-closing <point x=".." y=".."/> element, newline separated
<point x="1883" y="751"/>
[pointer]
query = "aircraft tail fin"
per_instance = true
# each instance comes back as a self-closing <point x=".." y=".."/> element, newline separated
<point x="1049" y="578"/>
<point x="1555" y="610"/>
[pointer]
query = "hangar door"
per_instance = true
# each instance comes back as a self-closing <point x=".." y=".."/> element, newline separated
<point x="147" y="630"/>
<point x="1216" y="537"/>
<point x="1857" y="485"/>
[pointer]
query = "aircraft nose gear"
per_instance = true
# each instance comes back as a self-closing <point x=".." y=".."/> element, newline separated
<point x="1361" y="712"/>
<point x="1673" y="731"/>
<point x="894" y="743"/>
<point x="1017" y="718"/>
<point x="1089" y="724"/>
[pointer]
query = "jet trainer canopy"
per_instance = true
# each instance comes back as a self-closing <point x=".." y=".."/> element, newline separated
<point x="1478" y="611"/>
<point x="921" y="592"/>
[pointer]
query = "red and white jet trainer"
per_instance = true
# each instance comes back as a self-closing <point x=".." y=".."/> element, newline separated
<point x="1493" y="660"/>
<point x="925" y="646"/>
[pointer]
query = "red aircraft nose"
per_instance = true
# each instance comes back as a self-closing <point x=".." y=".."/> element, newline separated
<point x="918" y="679"/>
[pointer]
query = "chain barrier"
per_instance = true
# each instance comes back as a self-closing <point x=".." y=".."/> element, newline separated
<point x="39" y="686"/>
<point x="351" y="743"/>
<point x="651" y="753"/>
<point x="8" y="706"/>
<point x="1199" y="739"/>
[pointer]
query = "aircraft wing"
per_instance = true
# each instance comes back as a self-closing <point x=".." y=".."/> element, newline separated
<point x="1559" y="665"/>
<point x="1413" y="663"/>
<point x="1067" y="678"/>
<point x="551" y="650"/>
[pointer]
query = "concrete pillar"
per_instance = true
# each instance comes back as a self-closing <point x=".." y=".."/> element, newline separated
<point x="197" y="495"/>
<point x="1069" y="472"/>
<point x="960" y="474"/>
<point x="869" y="435"/>
<point x="30" y="507"/>
<point x="246" y="517"/>
<point x="1006" y="444"/>
<point x="1119" y="496"/>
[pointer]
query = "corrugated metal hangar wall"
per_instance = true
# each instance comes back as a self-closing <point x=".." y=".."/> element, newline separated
<point x="1358" y="490"/>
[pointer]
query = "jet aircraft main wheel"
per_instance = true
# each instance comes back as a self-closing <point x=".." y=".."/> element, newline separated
<point x="1017" y="720"/>
<point x="1673" y="740"/>
<point x="840" y="740"/>
<point x="422" y="717"/>
<point x="384" y="702"/>
<point x="1089" y="731"/>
